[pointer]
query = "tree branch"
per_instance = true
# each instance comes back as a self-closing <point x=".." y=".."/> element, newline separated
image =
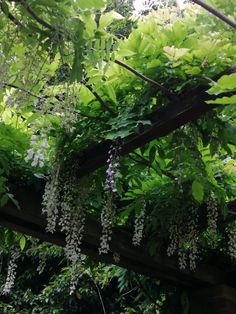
<point x="99" y="99"/>
<point x="97" y="289"/>
<point x="36" y="17"/>
<point x="147" y="163"/>
<point x="43" y="98"/>
<point x="216" y="13"/>
<point x="146" y="293"/>
<point x="166" y="91"/>
<point x="11" y="17"/>
<point x="22" y="89"/>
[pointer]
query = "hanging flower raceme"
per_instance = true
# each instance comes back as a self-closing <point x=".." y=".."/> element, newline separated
<point x="108" y="214"/>
<point x="139" y="225"/>
<point x="232" y="241"/>
<point x="64" y="200"/>
<point x="42" y="264"/>
<point x="11" y="273"/>
<point x="193" y="235"/>
<point x="72" y="218"/>
<point x="51" y="199"/>
<point x="36" y="152"/>
<point x="174" y="237"/>
<point x="183" y="237"/>
<point x="112" y="171"/>
<point x="212" y="213"/>
<point x="77" y="270"/>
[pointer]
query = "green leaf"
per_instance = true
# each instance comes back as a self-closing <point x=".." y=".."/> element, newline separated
<point x="91" y="4"/>
<point x="32" y="118"/>
<point x="22" y="242"/>
<point x="223" y="100"/>
<point x="227" y="81"/>
<point x="111" y="92"/>
<point x="152" y="154"/>
<point x="3" y="200"/>
<point x="107" y="18"/>
<point x="5" y="8"/>
<point x="77" y="67"/>
<point x="198" y="191"/>
<point x="185" y="303"/>
<point x="14" y="201"/>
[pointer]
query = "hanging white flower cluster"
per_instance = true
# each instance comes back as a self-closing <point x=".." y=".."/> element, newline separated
<point x="70" y="117"/>
<point x="75" y="275"/>
<point x="193" y="237"/>
<point x="11" y="273"/>
<point x="183" y="238"/>
<point x="232" y="241"/>
<point x="174" y="237"/>
<point x="42" y="264"/>
<point x="65" y="109"/>
<point x="139" y="225"/>
<point x="116" y="257"/>
<point x="17" y="98"/>
<point x="108" y="214"/>
<point x="72" y="218"/>
<point x="72" y="222"/>
<point x="182" y="255"/>
<point x="37" y="150"/>
<point x="4" y="73"/>
<point x="51" y="199"/>
<point x="64" y="200"/>
<point x="212" y="213"/>
<point x="148" y="5"/>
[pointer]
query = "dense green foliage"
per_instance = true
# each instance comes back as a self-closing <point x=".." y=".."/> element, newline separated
<point x="62" y="91"/>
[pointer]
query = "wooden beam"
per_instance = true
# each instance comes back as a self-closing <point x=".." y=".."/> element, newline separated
<point x="189" y="107"/>
<point x="29" y="221"/>
<point x="219" y="300"/>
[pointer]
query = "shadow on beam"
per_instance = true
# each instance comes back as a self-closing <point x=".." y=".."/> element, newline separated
<point x="29" y="221"/>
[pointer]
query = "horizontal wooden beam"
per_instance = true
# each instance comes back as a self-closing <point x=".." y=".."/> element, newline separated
<point x="189" y="107"/>
<point x="29" y="221"/>
<point x="219" y="300"/>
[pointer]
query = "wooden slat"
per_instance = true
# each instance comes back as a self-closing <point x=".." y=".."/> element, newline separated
<point x="189" y="107"/>
<point x="220" y="299"/>
<point x="28" y="220"/>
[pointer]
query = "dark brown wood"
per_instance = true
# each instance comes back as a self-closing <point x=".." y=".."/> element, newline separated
<point x="219" y="300"/>
<point x="29" y="221"/>
<point x="163" y="121"/>
<point x="190" y="106"/>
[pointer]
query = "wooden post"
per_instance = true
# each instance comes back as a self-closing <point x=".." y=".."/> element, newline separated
<point x="219" y="299"/>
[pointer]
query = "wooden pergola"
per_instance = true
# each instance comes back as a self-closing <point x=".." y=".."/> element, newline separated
<point x="207" y="282"/>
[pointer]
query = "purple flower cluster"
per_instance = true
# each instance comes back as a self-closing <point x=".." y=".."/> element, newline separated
<point x="113" y="162"/>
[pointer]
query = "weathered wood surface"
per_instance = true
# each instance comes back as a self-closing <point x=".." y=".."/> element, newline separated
<point x="219" y="299"/>
<point x="29" y="220"/>
<point x="189" y="107"/>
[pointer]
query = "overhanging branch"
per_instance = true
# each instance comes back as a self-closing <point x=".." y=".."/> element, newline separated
<point x="36" y="17"/>
<point x="167" y="92"/>
<point x="216" y="13"/>
<point x="100" y="100"/>
<point x="10" y="16"/>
